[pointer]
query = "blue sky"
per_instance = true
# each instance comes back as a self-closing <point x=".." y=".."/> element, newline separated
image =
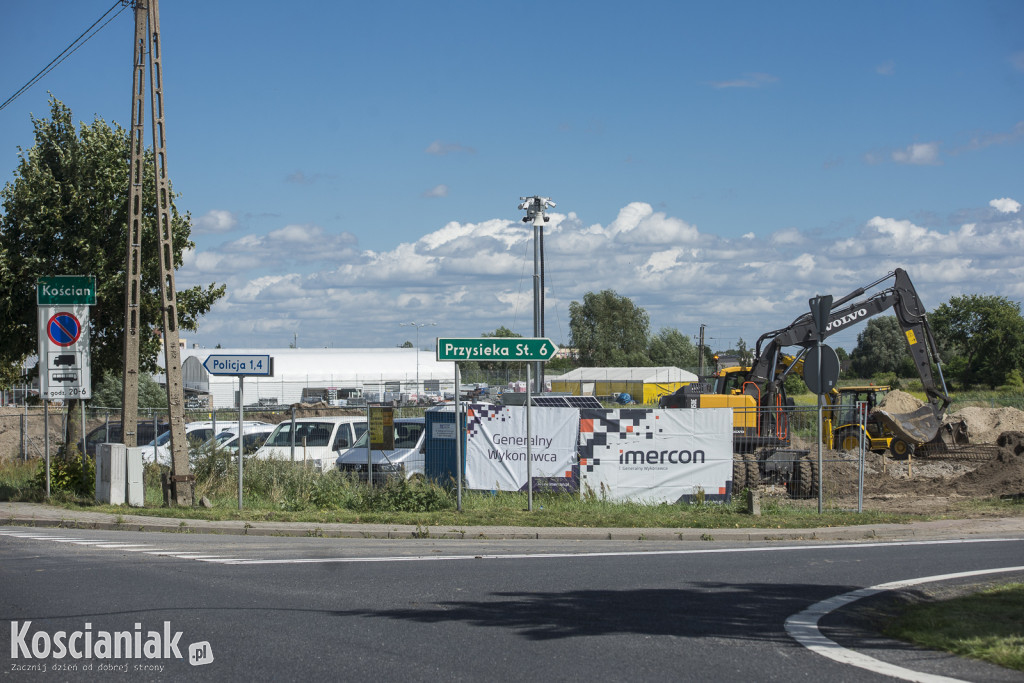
<point x="350" y="166"/>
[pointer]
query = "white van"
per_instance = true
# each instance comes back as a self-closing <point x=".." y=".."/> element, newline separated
<point x="406" y="460"/>
<point x="318" y="440"/>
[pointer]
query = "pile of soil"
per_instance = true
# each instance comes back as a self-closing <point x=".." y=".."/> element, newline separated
<point x="899" y="402"/>
<point x="984" y="425"/>
<point x="1004" y="474"/>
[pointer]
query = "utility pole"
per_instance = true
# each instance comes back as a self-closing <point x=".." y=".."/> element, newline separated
<point x="179" y="486"/>
<point x="535" y="207"/>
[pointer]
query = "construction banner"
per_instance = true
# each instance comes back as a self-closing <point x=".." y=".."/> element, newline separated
<point x="496" y="447"/>
<point x="656" y="456"/>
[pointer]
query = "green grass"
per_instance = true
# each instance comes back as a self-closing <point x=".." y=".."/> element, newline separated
<point x="988" y="625"/>
<point x="280" y="491"/>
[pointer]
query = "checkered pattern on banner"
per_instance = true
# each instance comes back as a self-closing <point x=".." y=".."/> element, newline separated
<point x="478" y="413"/>
<point x="596" y="425"/>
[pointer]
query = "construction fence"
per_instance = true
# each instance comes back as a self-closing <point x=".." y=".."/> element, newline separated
<point x="776" y="451"/>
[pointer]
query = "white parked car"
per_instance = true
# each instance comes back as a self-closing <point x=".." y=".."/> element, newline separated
<point x="317" y="440"/>
<point x="406" y="460"/>
<point x="196" y="433"/>
<point x="253" y="440"/>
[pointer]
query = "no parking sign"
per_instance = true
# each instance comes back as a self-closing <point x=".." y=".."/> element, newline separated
<point x="65" y="367"/>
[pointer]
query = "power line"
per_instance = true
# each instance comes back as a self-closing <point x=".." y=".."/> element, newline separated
<point x="68" y="51"/>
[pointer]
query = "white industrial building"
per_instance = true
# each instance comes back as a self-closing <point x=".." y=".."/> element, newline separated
<point x="309" y="375"/>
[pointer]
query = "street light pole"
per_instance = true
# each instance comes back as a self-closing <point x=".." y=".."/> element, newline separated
<point x="417" y="326"/>
<point x="535" y="207"/>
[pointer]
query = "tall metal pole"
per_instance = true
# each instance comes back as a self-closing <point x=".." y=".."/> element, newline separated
<point x="535" y="207"/>
<point x="133" y="267"/>
<point x="181" y="479"/>
<point x="458" y="442"/>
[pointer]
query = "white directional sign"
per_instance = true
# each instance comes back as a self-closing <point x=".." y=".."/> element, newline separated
<point x="239" y="365"/>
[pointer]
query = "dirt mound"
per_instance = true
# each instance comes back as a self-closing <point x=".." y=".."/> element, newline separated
<point x="984" y="425"/>
<point x="1002" y="475"/>
<point x="898" y="402"/>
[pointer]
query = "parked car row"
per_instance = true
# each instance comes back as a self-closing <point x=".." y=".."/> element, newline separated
<point x="322" y="442"/>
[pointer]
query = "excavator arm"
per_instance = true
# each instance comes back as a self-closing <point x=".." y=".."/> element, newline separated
<point x="766" y="379"/>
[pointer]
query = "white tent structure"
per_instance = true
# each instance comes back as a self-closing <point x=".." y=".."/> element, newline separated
<point x="645" y="385"/>
<point x="320" y="374"/>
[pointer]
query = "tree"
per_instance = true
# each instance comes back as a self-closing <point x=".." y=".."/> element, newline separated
<point x="982" y="337"/>
<point x="881" y="348"/>
<point x="405" y="345"/>
<point x="66" y="213"/>
<point x="609" y="330"/>
<point x="108" y="392"/>
<point x="672" y="347"/>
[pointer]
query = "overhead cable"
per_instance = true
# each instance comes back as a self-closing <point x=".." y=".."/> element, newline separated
<point x="68" y="51"/>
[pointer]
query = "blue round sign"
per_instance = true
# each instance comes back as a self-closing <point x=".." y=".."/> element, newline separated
<point x="63" y="329"/>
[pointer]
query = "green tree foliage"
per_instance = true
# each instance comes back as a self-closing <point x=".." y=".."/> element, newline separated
<point x="981" y="337"/>
<point x="108" y="392"/>
<point x="881" y="347"/>
<point x="670" y="347"/>
<point x="66" y="213"/>
<point x="609" y="330"/>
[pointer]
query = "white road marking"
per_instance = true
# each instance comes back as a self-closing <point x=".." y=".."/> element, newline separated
<point x="804" y="626"/>
<point x="625" y="553"/>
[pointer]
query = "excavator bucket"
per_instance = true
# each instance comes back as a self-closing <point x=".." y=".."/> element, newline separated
<point x="918" y="427"/>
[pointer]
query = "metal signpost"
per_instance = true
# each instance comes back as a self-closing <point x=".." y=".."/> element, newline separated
<point x="380" y="422"/>
<point x="509" y="349"/>
<point x="240" y="366"/>
<point x="821" y="306"/>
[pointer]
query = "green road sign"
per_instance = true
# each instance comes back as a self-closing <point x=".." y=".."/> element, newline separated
<point x="62" y="290"/>
<point x="496" y="349"/>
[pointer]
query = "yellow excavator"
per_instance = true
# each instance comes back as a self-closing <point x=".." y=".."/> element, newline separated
<point x="761" y="409"/>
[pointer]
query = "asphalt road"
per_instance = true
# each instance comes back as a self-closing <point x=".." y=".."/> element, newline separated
<point x="428" y="609"/>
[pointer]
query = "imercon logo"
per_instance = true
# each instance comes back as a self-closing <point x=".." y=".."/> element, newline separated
<point x="846" y="319"/>
<point x="681" y="457"/>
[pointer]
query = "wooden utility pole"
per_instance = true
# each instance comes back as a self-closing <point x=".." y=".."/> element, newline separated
<point x="179" y="489"/>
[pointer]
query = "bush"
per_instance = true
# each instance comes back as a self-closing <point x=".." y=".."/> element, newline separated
<point x="75" y="475"/>
<point x="405" y="496"/>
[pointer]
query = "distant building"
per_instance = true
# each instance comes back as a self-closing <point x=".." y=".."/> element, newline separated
<point x="644" y="385"/>
<point x="311" y="375"/>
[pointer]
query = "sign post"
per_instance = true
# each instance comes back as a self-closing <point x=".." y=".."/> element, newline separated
<point x="508" y="349"/>
<point x="380" y="421"/>
<point x="241" y="366"/>
<point x="821" y="306"/>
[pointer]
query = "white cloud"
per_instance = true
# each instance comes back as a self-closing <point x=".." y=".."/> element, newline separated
<point x="1017" y="60"/>
<point x="752" y="80"/>
<point x="436" y="191"/>
<point x="474" y="277"/>
<point x="216" y="220"/>
<point x="438" y="148"/>
<point x="1005" y="205"/>
<point x="921" y="154"/>
<point x="886" y="68"/>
